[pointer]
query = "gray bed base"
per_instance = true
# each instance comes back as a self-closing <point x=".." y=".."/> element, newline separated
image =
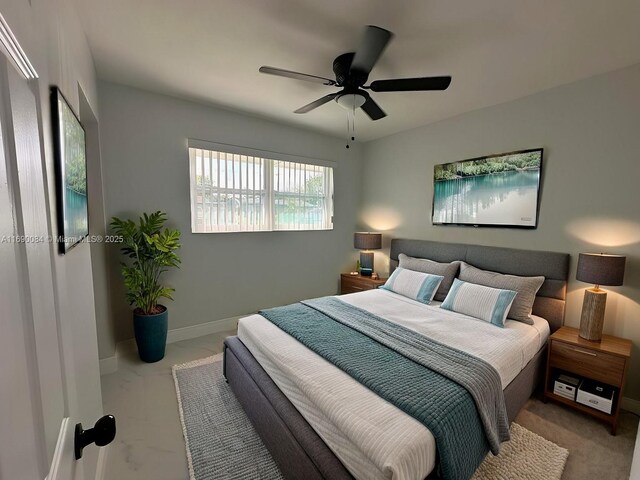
<point x="297" y="449"/>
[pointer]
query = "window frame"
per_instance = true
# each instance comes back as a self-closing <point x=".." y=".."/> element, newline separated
<point x="269" y="158"/>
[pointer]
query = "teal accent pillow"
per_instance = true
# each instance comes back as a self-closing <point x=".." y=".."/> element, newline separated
<point x="414" y="285"/>
<point x="485" y="303"/>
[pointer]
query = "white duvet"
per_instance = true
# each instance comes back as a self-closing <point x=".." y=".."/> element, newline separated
<point x="371" y="437"/>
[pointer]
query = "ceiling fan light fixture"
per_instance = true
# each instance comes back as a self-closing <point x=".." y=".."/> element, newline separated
<point x="351" y="101"/>
<point x="352" y="71"/>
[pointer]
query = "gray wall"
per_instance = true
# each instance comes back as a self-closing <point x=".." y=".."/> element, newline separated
<point x="145" y="167"/>
<point x="590" y="200"/>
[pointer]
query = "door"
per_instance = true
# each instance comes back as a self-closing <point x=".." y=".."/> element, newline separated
<point x="47" y="359"/>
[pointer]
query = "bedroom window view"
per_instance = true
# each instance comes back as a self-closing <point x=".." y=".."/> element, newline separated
<point x="242" y="193"/>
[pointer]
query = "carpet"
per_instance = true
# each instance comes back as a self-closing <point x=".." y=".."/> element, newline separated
<point x="221" y="443"/>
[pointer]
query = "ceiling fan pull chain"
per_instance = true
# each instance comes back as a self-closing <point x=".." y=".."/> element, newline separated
<point x="348" y="113"/>
<point x="353" y="136"/>
<point x="351" y="126"/>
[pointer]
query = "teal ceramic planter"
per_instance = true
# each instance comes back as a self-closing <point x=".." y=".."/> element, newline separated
<point x="151" y="335"/>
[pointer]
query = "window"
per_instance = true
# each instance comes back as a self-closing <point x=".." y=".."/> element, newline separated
<point x="233" y="192"/>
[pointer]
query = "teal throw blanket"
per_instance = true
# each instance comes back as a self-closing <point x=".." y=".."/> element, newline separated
<point x="455" y="395"/>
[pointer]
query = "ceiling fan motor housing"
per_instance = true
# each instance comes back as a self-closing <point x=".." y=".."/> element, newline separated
<point x="344" y="76"/>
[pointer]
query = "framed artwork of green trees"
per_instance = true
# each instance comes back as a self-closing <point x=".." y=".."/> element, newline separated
<point x="69" y="142"/>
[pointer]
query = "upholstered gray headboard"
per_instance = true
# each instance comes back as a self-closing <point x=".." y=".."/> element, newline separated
<point x="550" y="300"/>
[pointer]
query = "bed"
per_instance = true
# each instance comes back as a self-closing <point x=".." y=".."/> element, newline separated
<point x="302" y="451"/>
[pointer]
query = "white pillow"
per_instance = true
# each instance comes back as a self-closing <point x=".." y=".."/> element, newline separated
<point x="486" y="303"/>
<point x="415" y="285"/>
<point x="448" y="270"/>
<point x="525" y="288"/>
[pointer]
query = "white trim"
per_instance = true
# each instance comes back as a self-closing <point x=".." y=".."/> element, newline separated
<point x="59" y="451"/>
<point x="256" y="152"/>
<point x="110" y="364"/>
<point x="631" y="405"/>
<point x="195" y="331"/>
<point x="101" y="466"/>
<point x="126" y="346"/>
<point x="11" y="48"/>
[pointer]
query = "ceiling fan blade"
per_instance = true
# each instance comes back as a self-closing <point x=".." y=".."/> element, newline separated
<point x="296" y="75"/>
<point x="317" y="103"/>
<point x="372" y="109"/>
<point x="372" y="45"/>
<point x="411" y="84"/>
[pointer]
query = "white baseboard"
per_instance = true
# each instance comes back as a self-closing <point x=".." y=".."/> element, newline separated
<point x="631" y="405"/>
<point x="195" y="331"/>
<point x="110" y="364"/>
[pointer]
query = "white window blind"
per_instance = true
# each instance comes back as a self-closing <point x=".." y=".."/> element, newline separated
<point x="233" y="192"/>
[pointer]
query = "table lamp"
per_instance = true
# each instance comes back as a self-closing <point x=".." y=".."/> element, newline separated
<point x="599" y="269"/>
<point x="366" y="241"/>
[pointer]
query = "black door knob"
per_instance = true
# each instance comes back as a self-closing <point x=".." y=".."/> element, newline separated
<point x="102" y="433"/>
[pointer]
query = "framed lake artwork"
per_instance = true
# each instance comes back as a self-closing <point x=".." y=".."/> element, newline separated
<point x="69" y="143"/>
<point x="494" y="191"/>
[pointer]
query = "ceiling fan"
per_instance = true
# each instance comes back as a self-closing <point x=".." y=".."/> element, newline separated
<point x="352" y="71"/>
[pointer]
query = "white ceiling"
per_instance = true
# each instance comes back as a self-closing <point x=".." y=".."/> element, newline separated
<point x="495" y="50"/>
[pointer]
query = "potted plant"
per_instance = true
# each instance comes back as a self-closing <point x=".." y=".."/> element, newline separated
<point x="151" y="250"/>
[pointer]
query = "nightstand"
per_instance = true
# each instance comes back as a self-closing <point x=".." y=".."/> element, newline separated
<point x="357" y="283"/>
<point x="606" y="361"/>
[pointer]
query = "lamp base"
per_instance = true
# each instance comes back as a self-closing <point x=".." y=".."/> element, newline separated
<point x="592" y="319"/>
<point x="366" y="263"/>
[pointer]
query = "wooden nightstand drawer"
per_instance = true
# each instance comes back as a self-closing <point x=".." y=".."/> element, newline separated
<point x="605" y="361"/>
<point x="593" y="364"/>
<point x="356" y="283"/>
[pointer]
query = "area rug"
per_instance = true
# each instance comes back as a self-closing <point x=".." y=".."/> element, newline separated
<point x="526" y="456"/>
<point x="222" y="444"/>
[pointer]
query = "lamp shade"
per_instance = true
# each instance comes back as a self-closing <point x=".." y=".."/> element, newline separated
<point x="601" y="269"/>
<point x="367" y="241"/>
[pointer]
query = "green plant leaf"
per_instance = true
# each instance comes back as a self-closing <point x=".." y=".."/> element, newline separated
<point x="150" y="248"/>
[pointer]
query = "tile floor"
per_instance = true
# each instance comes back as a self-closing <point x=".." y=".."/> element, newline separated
<point x="149" y="444"/>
